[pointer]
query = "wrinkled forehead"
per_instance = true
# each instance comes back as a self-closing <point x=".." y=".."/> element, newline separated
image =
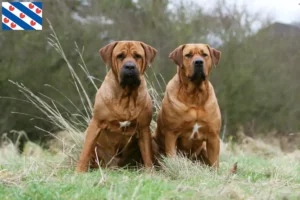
<point x="128" y="46"/>
<point x="195" y="48"/>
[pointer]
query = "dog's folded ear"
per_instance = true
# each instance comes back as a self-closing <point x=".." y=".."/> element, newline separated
<point x="176" y="55"/>
<point x="215" y="55"/>
<point x="106" y="53"/>
<point x="150" y="53"/>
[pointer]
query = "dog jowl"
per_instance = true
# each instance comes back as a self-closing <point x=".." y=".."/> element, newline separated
<point x="129" y="75"/>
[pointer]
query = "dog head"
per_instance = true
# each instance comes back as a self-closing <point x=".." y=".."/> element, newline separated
<point x="128" y="60"/>
<point x="195" y="60"/>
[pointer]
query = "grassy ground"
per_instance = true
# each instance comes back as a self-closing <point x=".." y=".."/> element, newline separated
<point x="43" y="176"/>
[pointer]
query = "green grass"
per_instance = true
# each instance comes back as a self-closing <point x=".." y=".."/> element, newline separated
<point x="46" y="177"/>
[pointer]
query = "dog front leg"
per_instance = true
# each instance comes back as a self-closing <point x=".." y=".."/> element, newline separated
<point x="145" y="141"/>
<point x="86" y="154"/>
<point x="213" y="150"/>
<point x="170" y="144"/>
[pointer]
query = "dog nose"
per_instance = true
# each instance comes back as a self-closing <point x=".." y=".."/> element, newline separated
<point x="198" y="62"/>
<point x="129" y="66"/>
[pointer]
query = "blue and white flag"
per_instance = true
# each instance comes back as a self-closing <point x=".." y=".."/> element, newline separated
<point x="22" y="16"/>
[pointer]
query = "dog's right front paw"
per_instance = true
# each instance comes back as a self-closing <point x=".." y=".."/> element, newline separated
<point x="81" y="169"/>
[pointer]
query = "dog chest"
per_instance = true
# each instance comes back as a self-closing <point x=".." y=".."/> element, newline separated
<point x="196" y="133"/>
<point x="191" y="137"/>
<point x="118" y="133"/>
<point x="124" y="128"/>
<point x="124" y="124"/>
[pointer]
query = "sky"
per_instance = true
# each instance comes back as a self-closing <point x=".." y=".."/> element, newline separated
<point x="285" y="11"/>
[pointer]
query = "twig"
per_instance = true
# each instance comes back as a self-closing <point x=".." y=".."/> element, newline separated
<point x="103" y="179"/>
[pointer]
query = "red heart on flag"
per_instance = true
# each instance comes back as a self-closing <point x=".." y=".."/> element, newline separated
<point x="38" y="11"/>
<point x="32" y="23"/>
<point x="22" y="15"/>
<point x="13" y="25"/>
<point x="31" y="6"/>
<point x="6" y="20"/>
<point x="11" y="8"/>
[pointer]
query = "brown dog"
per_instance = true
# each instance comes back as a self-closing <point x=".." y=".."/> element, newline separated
<point x="190" y="114"/>
<point x="119" y="130"/>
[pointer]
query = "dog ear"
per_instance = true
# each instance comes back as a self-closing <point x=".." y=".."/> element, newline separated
<point x="215" y="55"/>
<point x="150" y="53"/>
<point x="176" y="55"/>
<point x="106" y="53"/>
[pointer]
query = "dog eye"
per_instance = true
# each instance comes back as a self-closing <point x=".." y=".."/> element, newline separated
<point x="120" y="56"/>
<point x="137" y="56"/>
<point x="204" y="55"/>
<point x="188" y="55"/>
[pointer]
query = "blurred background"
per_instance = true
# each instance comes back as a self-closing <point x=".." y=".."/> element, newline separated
<point x="256" y="82"/>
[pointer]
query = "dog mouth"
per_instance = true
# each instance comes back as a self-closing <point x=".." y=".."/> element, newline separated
<point x="130" y="79"/>
<point x="198" y="76"/>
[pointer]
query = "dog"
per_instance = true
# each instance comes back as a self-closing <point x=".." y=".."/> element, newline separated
<point x="189" y="120"/>
<point x="119" y="131"/>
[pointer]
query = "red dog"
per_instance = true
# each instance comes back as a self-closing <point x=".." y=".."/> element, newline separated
<point x="190" y="114"/>
<point x="122" y="111"/>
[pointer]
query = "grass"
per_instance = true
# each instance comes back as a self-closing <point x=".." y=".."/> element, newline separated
<point x="41" y="174"/>
<point x="46" y="177"/>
